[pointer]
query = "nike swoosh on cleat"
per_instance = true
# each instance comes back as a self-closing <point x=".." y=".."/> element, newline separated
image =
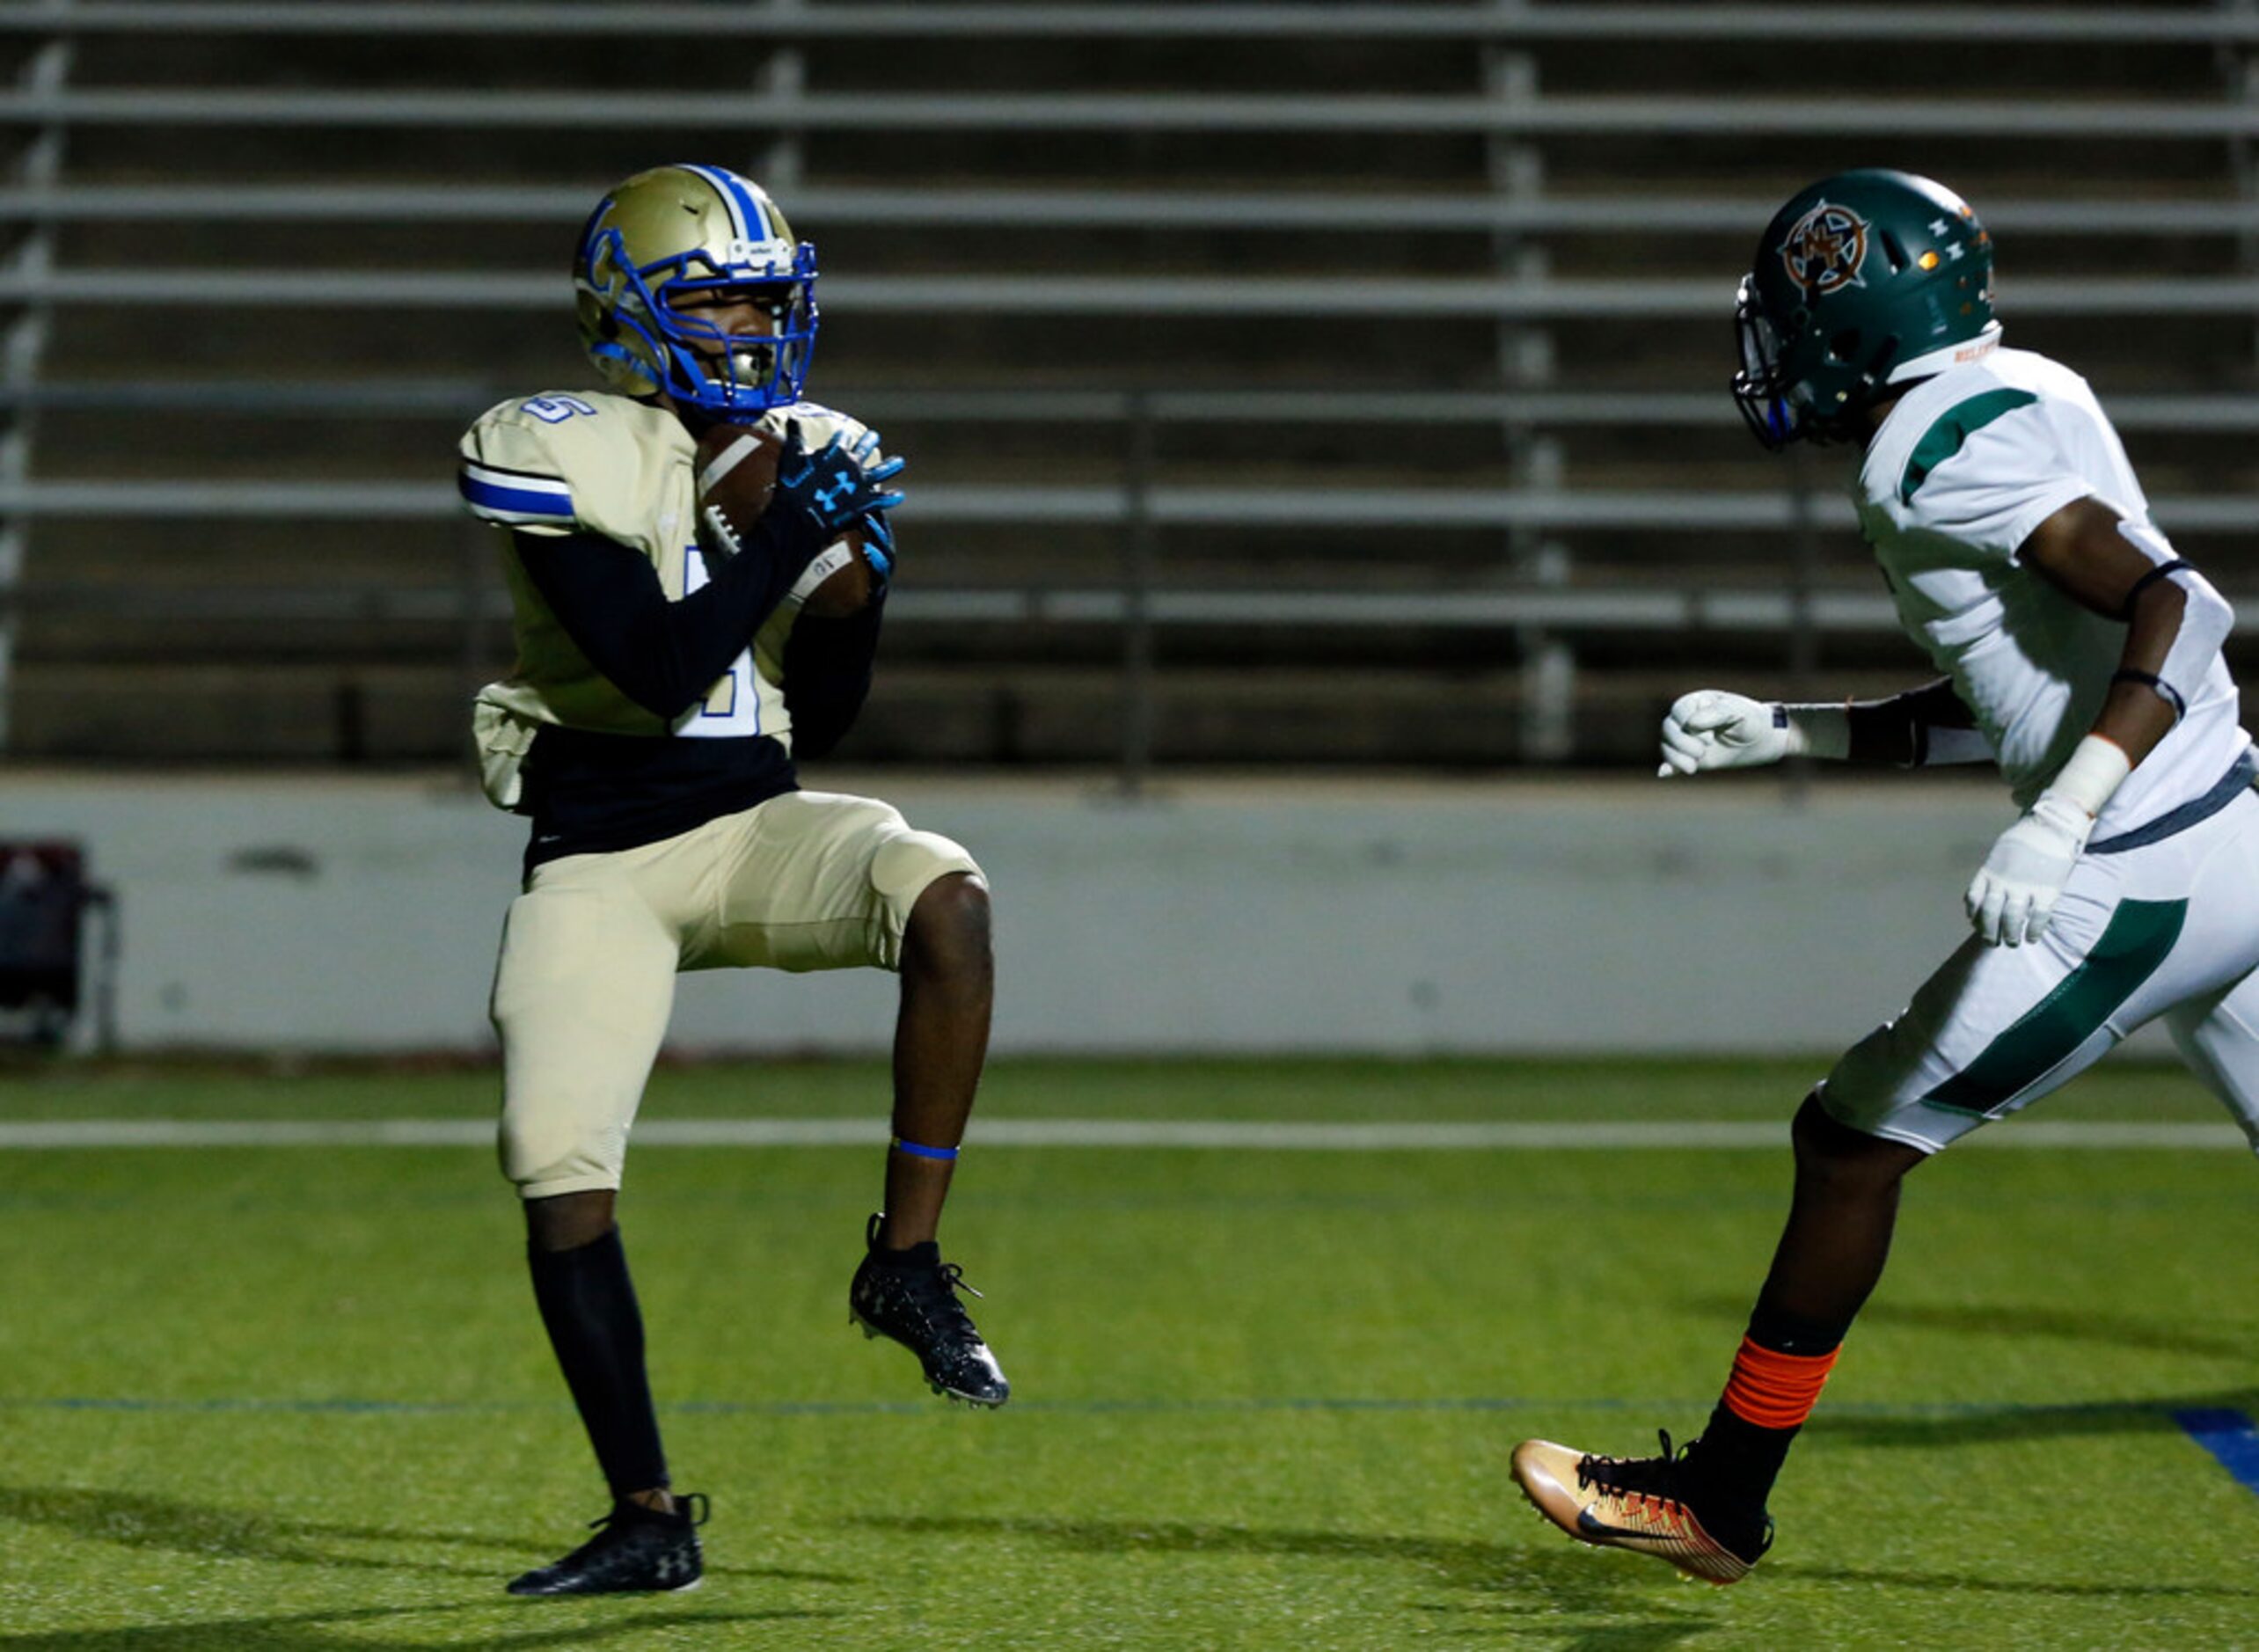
<point x="1588" y="1527"/>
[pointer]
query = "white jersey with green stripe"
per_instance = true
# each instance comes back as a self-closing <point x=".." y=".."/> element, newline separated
<point x="1962" y="469"/>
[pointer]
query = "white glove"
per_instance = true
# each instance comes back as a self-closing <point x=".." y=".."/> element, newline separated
<point x="2012" y="899"/>
<point x="1711" y="728"/>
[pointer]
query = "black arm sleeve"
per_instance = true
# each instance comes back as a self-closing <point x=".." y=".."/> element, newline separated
<point x="662" y="655"/>
<point x="1896" y="729"/>
<point x="827" y="676"/>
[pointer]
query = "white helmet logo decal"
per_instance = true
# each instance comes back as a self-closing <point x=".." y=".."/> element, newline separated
<point x="767" y="254"/>
<point x="1824" y="250"/>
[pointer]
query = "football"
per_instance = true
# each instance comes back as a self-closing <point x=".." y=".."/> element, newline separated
<point x="737" y="471"/>
<point x="837" y="583"/>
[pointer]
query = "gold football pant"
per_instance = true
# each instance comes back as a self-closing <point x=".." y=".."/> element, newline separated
<point x="586" y="979"/>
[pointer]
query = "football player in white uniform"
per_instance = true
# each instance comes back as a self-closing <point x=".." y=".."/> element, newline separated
<point x="649" y="729"/>
<point x="2081" y="655"/>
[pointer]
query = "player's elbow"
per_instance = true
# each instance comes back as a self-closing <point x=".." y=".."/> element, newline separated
<point x="2190" y="616"/>
<point x="818" y="736"/>
<point x="822" y="712"/>
<point x="2204" y="610"/>
<point x="2179" y="623"/>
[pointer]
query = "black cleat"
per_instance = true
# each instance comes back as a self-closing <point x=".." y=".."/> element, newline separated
<point x="914" y="1301"/>
<point x="636" y="1551"/>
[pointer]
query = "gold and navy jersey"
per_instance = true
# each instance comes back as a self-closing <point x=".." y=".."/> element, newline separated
<point x="554" y="464"/>
<point x="558" y="739"/>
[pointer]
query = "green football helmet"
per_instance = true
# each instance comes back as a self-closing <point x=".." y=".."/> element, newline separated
<point x="1865" y="279"/>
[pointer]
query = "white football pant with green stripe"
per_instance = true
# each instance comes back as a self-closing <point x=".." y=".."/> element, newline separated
<point x="2168" y="930"/>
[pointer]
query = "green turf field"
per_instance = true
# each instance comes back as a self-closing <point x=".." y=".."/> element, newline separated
<point x="256" y="1399"/>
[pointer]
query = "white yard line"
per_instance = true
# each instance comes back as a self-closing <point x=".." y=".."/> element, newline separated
<point x="1282" y="1135"/>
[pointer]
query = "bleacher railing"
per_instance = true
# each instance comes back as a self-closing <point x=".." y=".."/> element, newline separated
<point x="46" y="107"/>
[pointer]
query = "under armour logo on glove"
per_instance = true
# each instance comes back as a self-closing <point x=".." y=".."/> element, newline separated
<point x="828" y="487"/>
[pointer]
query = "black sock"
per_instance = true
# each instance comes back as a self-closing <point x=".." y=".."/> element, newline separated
<point x="587" y="1303"/>
<point x="927" y="1253"/>
<point x="1739" y="1460"/>
<point x="1792" y="1334"/>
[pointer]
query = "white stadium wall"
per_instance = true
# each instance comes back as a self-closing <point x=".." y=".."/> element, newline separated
<point x="1617" y="915"/>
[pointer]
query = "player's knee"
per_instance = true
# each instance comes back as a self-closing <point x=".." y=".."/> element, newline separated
<point x="567" y="1221"/>
<point x="949" y="923"/>
<point x="546" y="1152"/>
<point x="934" y="889"/>
<point x="1833" y="1157"/>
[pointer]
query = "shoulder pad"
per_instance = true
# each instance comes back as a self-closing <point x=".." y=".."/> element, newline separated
<point x="553" y="462"/>
<point x="1947" y="434"/>
<point x="1984" y="472"/>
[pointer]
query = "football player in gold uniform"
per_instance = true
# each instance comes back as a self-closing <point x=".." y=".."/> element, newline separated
<point x="649" y="728"/>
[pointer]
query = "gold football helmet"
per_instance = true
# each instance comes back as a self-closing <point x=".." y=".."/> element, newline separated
<point x="660" y="237"/>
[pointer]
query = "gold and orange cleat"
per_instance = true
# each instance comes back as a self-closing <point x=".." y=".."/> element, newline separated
<point x="1637" y="1504"/>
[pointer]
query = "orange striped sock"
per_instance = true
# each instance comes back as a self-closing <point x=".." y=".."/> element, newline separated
<point x="1771" y="1390"/>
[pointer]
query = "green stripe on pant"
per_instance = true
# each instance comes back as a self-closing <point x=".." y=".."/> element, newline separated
<point x="2133" y="944"/>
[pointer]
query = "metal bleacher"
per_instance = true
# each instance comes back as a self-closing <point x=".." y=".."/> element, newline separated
<point x="1292" y="382"/>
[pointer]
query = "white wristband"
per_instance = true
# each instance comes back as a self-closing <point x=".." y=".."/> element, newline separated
<point x="1815" y="731"/>
<point x="2096" y="768"/>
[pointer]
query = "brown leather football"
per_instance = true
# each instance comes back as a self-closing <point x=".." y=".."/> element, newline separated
<point x="737" y="471"/>
<point x="839" y="583"/>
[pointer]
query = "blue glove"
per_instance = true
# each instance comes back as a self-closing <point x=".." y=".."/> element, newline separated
<point x="878" y="546"/>
<point x="828" y="490"/>
<point x="878" y="536"/>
